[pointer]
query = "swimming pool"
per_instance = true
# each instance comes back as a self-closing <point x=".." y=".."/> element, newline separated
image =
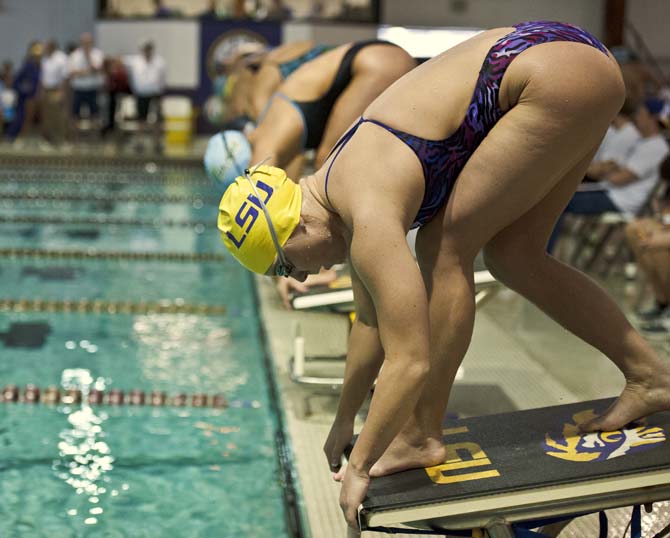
<point x="163" y="311"/>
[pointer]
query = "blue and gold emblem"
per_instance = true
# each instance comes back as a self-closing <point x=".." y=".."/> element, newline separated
<point x="573" y="445"/>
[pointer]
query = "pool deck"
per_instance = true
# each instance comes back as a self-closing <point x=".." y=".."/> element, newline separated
<point x="516" y="350"/>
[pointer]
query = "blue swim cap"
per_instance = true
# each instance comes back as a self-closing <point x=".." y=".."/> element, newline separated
<point x="228" y="154"/>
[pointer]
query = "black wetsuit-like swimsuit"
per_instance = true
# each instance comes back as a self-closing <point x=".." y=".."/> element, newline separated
<point x="315" y="113"/>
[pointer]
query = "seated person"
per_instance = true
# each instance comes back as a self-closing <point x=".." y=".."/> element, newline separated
<point x="312" y="108"/>
<point x="626" y="186"/>
<point x="649" y="238"/>
<point x="619" y="141"/>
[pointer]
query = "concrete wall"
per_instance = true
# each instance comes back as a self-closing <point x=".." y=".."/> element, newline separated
<point x="328" y="33"/>
<point x="178" y="41"/>
<point x="22" y="21"/>
<point x="652" y="19"/>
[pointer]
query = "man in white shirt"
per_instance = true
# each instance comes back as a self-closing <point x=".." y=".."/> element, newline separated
<point x="619" y="141"/>
<point x="147" y="72"/>
<point x="627" y="183"/>
<point x="147" y="78"/>
<point x="630" y="184"/>
<point x="85" y="67"/>
<point x="52" y="96"/>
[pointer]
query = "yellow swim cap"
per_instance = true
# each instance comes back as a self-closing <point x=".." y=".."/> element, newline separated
<point x="244" y="229"/>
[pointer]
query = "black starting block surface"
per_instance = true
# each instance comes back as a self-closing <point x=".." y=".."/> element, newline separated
<point x="526" y="450"/>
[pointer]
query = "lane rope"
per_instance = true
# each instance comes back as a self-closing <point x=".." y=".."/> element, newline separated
<point x="105" y="178"/>
<point x="100" y="306"/>
<point x="103" y="221"/>
<point x="111" y="255"/>
<point x="53" y="395"/>
<point x="37" y="195"/>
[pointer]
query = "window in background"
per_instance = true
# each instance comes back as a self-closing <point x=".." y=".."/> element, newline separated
<point x="426" y="42"/>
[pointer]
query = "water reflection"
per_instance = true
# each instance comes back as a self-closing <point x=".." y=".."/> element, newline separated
<point x="84" y="456"/>
<point x="177" y="350"/>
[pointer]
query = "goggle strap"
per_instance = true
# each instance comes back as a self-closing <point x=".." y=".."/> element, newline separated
<point x="273" y="233"/>
<point x="240" y="172"/>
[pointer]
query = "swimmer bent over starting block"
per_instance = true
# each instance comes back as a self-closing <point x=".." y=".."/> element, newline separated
<point x="481" y="147"/>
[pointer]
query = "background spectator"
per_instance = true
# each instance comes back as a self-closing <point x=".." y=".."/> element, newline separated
<point x="117" y="84"/>
<point x="627" y="183"/>
<point x="213" y="11"/>
<point x="147" y="80"/>
<point x="633" y="67"/>
<point x="52" y="98"/>
<point x="630" y="184"/>
<point x="615" y="148"/>
<point x="8" y="96"/>
<point x="278" y="11"/>
<point x="621" y="135"/>
<point x="649" y="240"/>
<point x="85" y="66"/>
<point x="7" y="73"/>
<point x="161" y="11"/>
<point x="26" y="85"/>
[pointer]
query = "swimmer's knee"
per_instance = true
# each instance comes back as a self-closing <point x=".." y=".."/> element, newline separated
<point x="507" y="259"/>
<point x="495" y="262"/>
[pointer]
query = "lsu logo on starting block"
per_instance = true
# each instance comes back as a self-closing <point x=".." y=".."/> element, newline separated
<point x="572" y="445"/>
<point x="462" y="455"/>
<point x="248" y="213"/>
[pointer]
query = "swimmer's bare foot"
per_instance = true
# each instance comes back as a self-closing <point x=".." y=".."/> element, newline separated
<point x="403" y="454"/>
<point x="639" y="399"/>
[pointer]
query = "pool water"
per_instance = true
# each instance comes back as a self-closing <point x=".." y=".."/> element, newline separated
<point x="79" y="470"/>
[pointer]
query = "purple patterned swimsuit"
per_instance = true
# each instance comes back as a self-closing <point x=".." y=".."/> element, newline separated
<point x="443" y="160"/>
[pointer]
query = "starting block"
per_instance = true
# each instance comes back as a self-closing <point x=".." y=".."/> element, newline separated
<point x="519" y="470"/>
<point x="339" y="296"/>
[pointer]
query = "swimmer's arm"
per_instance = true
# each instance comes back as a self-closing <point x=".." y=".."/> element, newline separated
<point x="381" y="256"/>
<point x="364" y="355"/>
<point x="238" y="101"/>
<point x="277" y="138"/>
<point x="266" y="82"/>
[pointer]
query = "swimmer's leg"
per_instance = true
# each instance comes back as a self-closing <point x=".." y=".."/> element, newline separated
<point x="294" y="169"/>
<point x="516" y="257"/>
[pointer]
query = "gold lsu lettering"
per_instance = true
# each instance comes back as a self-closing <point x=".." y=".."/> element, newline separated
<point x="443" y="474"/>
